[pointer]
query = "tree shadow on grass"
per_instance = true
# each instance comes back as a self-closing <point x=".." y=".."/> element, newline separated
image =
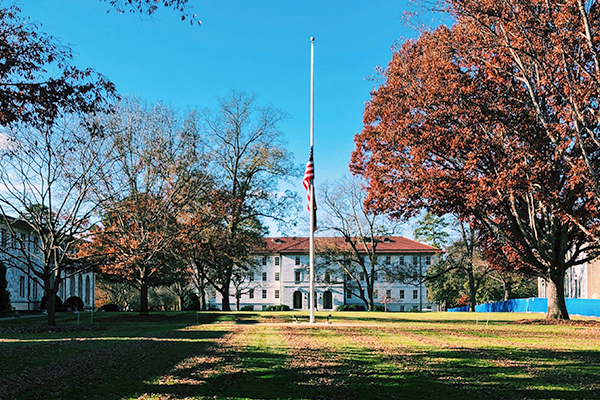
<point x="364" y="374"/>
<point x="102" y="367"/>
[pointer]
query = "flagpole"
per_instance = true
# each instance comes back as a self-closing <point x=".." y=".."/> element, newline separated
<point x="312" y="185"/>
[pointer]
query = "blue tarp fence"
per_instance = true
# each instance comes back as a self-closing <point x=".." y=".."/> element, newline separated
<point x="584" y="307"/>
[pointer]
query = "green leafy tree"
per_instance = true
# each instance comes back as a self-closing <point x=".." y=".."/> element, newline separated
<point x="431" y="229"/>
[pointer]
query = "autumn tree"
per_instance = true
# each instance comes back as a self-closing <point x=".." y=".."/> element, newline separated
<point x="149" y="7"/>
<point x="344" y="214"/>
<point x="451" y="132"/>
<point x="37" y="79"/>
<point x="247" y="160"/>
<point x="153" y="177"/>
<point x="48" y="176"/>
<point x="551" y="50"/>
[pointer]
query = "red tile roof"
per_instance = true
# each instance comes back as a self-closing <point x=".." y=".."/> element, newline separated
<point x="387" y="244"/>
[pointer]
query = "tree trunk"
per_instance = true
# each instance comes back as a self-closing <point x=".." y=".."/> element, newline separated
<point x="144" y="298"/>
<point x="225" y="305"/>
<point x="203" y="306"/>
<point x="51" y="306"/>
<point x="472" y="290"/>
<point x="237" y="301"/>
<point x="507" y="290"/>
<point x="557" y="307"/>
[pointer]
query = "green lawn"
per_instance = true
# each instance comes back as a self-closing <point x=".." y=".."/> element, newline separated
<point x="269" y="356"/>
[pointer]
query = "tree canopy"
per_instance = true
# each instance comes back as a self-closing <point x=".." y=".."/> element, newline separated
<point x="455" y="129"/>
<point x="37" y="80"/>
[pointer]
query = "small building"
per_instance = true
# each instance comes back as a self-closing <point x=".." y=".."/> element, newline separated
<point x="283" y="276"/>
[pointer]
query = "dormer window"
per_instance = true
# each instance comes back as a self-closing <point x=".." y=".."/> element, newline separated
<point x="278" y="240"/>
<point x="387" y="240"/>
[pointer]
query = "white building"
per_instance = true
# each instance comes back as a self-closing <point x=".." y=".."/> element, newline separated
<point x="581" y="281"/>
<point x="283" y="277"/>
<point x="25" y="289"/>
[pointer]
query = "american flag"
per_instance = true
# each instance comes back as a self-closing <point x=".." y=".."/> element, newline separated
<point x="309" y="175"/>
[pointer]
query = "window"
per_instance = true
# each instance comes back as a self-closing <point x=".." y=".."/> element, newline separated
<point x="298" y="276"/>
<point x="277" y="276"/>
<point x="4" y="237"/>
<point x="72" y="286"/>
<point x="415" y="294"/>
<point x="276" y="293"/>
<point x="388" y="260"/>
<point x="402" y="308"/>
<point x="297" y="261"/>
<point x="264" y="294"/>
<point x="251" y="294"/>
<point x="35" y="289"/>
<point x="276" y="260"/>
<point x="348" y="295"/>
<point x="428" y="260"/>
<point x="415" y="260"/>
<point x="264" y="260"/>
<point x="264" y="276"/>
<point x="388" y="293"/>
<point x="22" y="286"/>
<point x="251" y="276"/>
<point x="401" y="293"/>
<point x="362" y="276"/>
<point x="327" y="277"/>
<point x="401" y="260"/>
<point x="80" y="287"/>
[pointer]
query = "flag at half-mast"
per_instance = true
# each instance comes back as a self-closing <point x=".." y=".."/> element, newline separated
<point x="309" y="176"/>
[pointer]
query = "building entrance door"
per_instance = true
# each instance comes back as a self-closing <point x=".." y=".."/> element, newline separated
<point x="327" y="300"/>
<point x="297" y="300"/>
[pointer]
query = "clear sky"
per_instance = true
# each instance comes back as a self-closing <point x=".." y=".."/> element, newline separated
<point x="256" y="46"/>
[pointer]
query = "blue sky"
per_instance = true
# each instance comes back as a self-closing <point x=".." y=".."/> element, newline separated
<point x="256" y="46"/>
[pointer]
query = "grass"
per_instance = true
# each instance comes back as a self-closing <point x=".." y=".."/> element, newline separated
<point x="263" y="355"/>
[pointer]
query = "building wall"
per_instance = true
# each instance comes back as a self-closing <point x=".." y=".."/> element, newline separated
<point x="288" y="282"/>
<point x="581" y="282"/>
<point x="26" y="291"/>
<point x="593" y="279"/>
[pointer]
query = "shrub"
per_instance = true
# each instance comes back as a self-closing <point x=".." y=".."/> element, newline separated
<point x="379" y="308"/>
<point x="74" y="303"/>
<point x="351" y="307"/>
<point x="247" y="308"/>
<point x="58" y="303"/>
<point x="281" y="307"/>
<point x="110" y="307"/>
